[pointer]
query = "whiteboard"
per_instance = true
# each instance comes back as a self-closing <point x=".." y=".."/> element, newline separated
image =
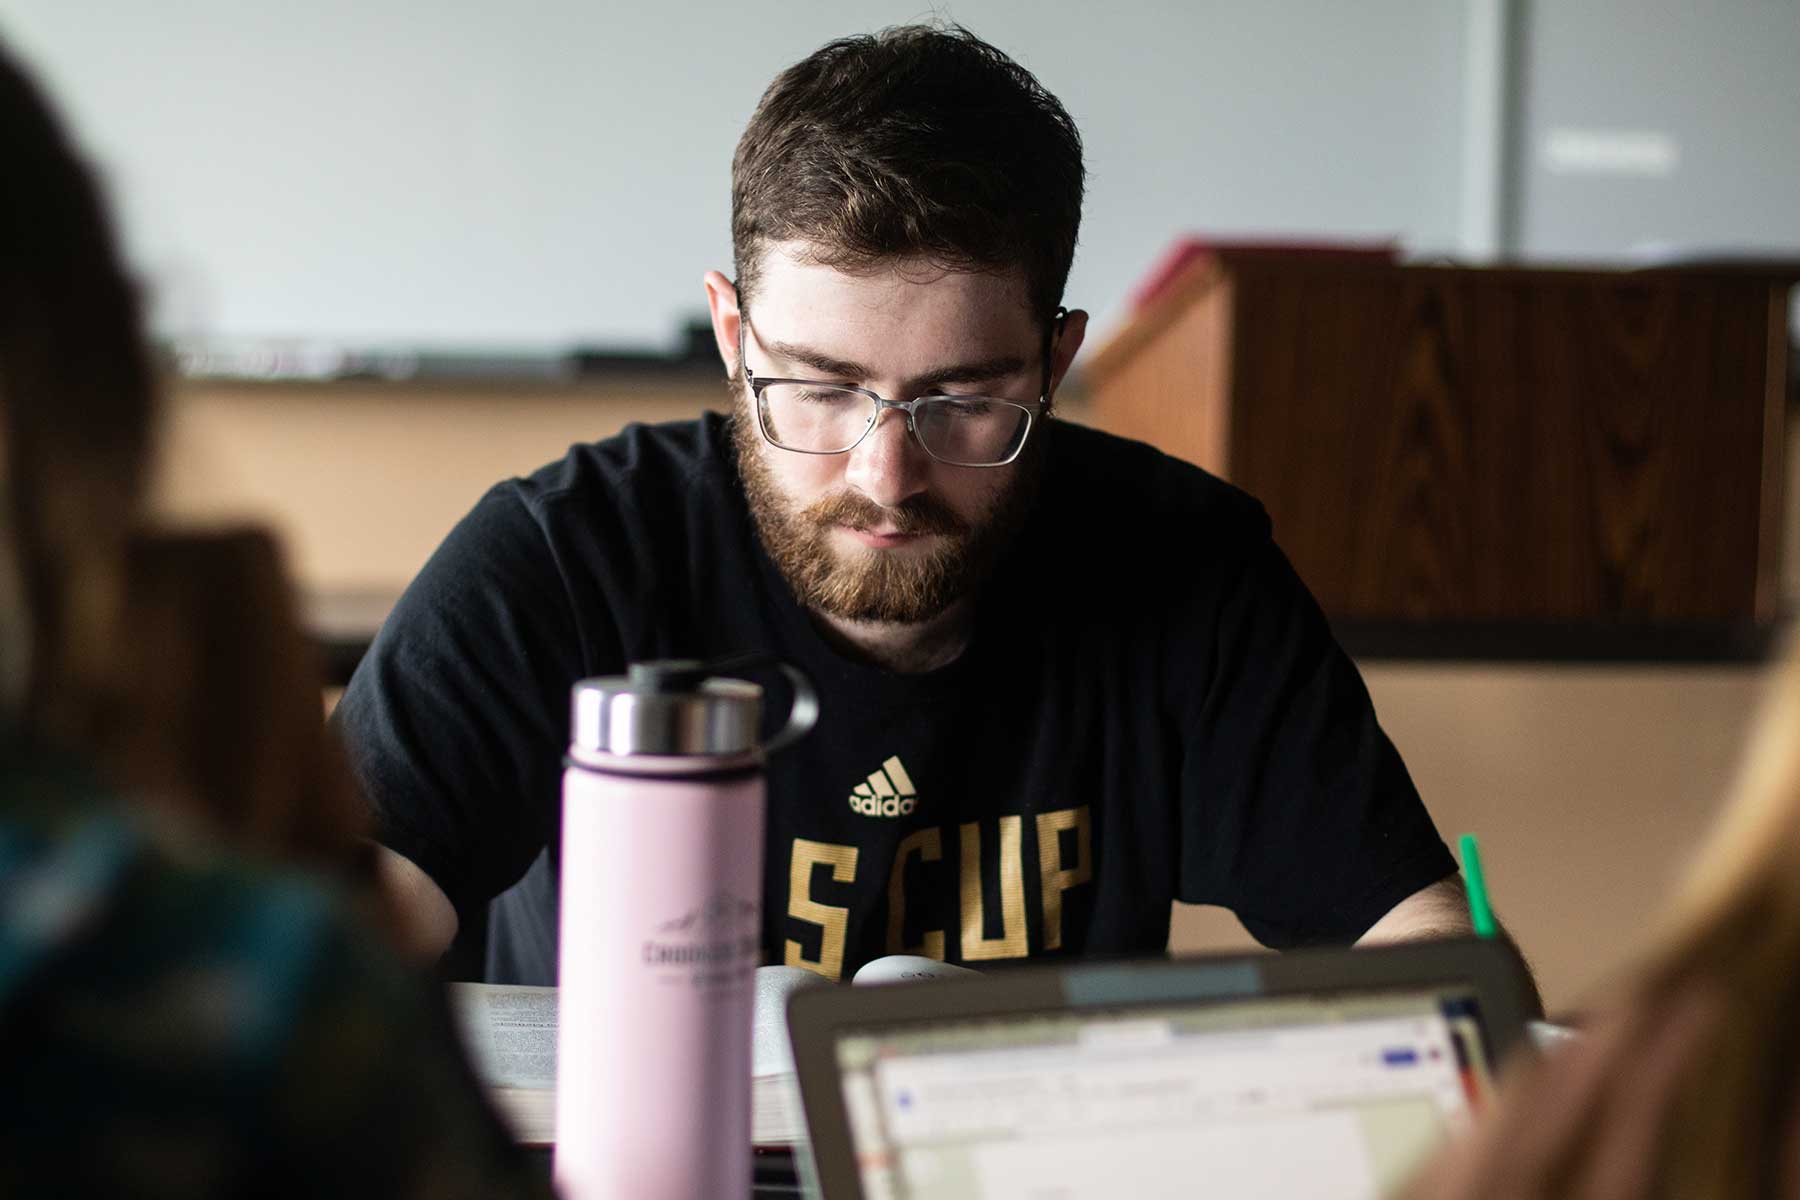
<point x="537" y="176"/>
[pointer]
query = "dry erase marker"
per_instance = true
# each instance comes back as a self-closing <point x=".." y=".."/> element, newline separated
<point x="1476" y="883"/>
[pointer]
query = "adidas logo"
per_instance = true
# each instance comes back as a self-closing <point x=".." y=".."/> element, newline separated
<point x="888" y="792"/>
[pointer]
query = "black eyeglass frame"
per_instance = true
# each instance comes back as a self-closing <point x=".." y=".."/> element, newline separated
<point x="1051" y="331"/>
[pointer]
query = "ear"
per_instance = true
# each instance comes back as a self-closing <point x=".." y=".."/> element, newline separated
<point x="1067" y="342"/>
<point x="721" y="302"/>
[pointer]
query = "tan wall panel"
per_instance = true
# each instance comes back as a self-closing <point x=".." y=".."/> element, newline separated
<point x="364" y="481"/>
<point x="1588" y="787"/>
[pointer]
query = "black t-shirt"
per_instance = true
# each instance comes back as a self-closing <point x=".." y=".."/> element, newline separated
<point x="1150" y="708"/>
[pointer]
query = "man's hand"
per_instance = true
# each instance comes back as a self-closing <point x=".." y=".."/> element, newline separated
<point x="428" y="916"/>
<point x="1438" y="911"/>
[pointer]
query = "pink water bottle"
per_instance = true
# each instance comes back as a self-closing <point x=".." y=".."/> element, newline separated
<point x="662" y="856"/>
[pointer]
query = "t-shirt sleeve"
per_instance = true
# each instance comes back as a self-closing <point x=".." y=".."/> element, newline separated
<point x="456" y="719"/>
<point x="1296" y="811"/>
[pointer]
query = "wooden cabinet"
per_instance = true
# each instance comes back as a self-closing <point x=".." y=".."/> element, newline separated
<point x="1448" y="444"/>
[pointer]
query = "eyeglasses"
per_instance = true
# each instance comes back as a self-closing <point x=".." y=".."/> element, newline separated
<point x="812" y="417"/>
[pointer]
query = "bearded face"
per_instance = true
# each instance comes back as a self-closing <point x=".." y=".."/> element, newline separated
<point x="883" y="532"/>
<point x="907" y="584"/>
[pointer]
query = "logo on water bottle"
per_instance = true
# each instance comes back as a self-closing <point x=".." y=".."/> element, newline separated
<point x="715" y="944"/>
<point x="721" y="909"/>
<point x="888" y="792"/>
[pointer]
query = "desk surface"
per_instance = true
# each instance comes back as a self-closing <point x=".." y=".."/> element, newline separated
<point x="773" y="1175"/>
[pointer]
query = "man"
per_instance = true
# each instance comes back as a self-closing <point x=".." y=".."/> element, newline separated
<point x="1065" y="680"/>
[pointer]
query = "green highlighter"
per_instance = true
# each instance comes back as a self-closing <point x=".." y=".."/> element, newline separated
<point x="1479" y="909"/>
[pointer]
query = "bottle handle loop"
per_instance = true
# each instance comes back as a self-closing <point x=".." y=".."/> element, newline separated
<point x="803" y="714"/>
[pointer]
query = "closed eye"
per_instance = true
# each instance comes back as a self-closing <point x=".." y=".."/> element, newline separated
<point x="964" y="406"/>
<point x="806" y="394"/>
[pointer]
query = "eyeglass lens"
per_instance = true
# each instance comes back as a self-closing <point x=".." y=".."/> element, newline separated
<point x="971" y="430"/>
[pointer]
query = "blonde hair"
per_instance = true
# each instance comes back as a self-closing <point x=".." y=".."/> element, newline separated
<point x="1734" y="929"/>
<point x="1755" y="845"/>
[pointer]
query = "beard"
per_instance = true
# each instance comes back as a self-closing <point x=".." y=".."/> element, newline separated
<point x="869" y="584"/>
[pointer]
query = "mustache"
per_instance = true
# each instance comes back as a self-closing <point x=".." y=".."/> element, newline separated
<point x="921" y="514"/>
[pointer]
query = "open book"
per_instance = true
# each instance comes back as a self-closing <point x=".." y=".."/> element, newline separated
<point x="510" y="1033"/>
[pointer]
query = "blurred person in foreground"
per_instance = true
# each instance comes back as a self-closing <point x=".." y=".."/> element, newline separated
<point x="1689" y="1086"/>
<point x="176" y="1019"/>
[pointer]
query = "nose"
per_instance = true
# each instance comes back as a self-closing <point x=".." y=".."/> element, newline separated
<point x="888" y="466"/>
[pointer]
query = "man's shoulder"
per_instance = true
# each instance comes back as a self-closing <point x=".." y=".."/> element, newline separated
<point x="1112" y="477"/>
<point x="638" y="506"/>
<point x="641" y="465"/>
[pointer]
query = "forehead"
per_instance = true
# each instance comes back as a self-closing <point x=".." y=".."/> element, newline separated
<point x="903" y="314"/>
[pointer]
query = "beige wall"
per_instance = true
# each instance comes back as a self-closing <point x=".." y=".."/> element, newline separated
<point x="364" y="480"/>
<point x="1587" y="786"/>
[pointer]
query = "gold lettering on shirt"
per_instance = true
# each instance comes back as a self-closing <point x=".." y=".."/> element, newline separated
<point x="831" y="919"/>
<point x="1012" y="940"/>
<point x="928" y="844"/>
<point x="1056" y="876"/>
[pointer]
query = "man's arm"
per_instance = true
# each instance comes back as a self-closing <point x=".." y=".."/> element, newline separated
<point x="428" y="918"/>
<point x="1298" y="814"/>
<point x="455" y="719"/>
<point x="1440" y="910"/>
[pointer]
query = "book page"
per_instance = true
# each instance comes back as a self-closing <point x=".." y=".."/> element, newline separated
<point x="510" y="1033"/>
<point x="771" y="1053"/>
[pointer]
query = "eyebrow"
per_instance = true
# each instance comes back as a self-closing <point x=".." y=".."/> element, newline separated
<point x="980" y="371"/>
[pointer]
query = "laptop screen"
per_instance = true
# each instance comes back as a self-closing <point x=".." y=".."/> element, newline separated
<point x="1327" y="1096"/>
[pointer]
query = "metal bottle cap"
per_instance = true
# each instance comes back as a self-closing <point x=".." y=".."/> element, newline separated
<point x="669" y="707"/>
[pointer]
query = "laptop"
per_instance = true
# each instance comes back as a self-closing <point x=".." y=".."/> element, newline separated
<point x="1319" y="1074"/>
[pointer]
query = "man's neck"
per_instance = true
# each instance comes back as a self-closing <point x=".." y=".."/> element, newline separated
<point x="910" y="649"/>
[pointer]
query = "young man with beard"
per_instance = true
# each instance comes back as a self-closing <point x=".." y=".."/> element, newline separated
<point x="1065" y="680"/>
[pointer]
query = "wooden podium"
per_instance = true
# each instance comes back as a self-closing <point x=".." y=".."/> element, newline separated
<point x="1501" y="447"/>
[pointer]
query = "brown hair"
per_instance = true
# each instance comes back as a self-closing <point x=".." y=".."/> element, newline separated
<point x="77" y="402"/>
<point x="225" y="687"/>
<point x="174" y="661"/>
<point x="916" y="141"/>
